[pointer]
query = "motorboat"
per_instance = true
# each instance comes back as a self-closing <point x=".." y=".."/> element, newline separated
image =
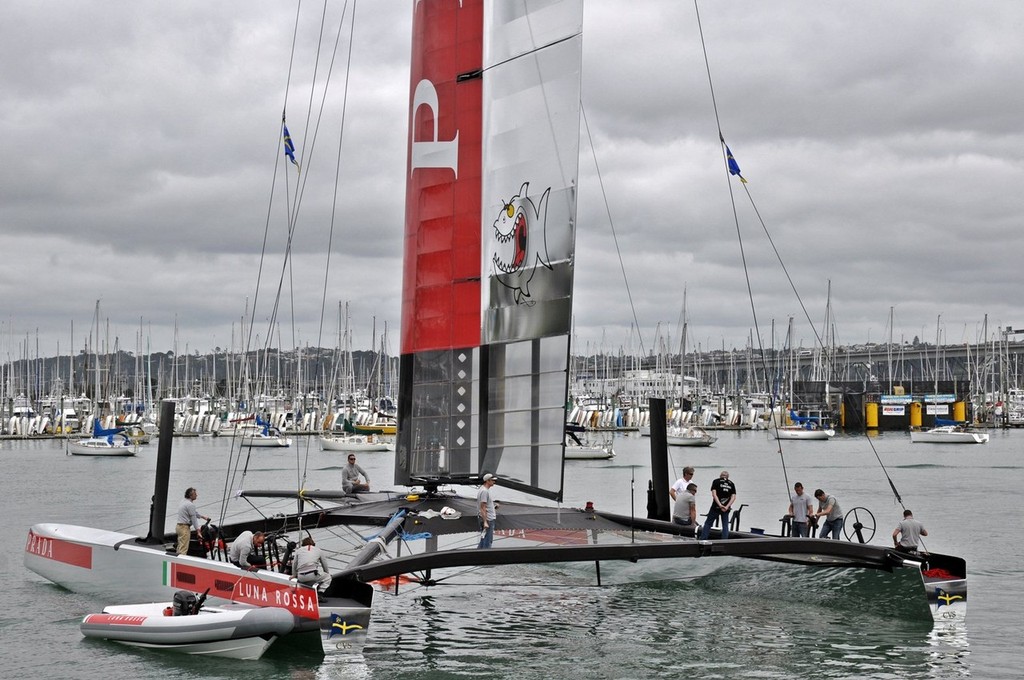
<point x="812" y="428"/>
<point x="947" y="434"/>
<point x="233" y="630"/>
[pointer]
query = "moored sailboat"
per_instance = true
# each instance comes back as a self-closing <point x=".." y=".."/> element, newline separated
<point x="103" y="442"/>
<point x="690" y="436"/>
<point x="360" y="443"/>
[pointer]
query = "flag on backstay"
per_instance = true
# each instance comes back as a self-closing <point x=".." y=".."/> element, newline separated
<point x="734" y="167"/>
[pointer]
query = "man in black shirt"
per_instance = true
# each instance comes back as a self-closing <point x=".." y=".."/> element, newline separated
<point x="723" y="495"/>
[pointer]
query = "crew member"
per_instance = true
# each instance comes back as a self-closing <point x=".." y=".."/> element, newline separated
<point x="907" y="535"/>
<point x="487" y="515"/>
<point x="188" y="517"/>
<point x="309" y="566"/>
<point x="245" y="551"/>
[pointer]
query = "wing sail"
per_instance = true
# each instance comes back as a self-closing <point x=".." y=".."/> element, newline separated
<point x="489" y="239"/>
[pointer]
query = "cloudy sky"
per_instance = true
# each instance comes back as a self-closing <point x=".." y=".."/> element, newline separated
<point x="882" y="142"/>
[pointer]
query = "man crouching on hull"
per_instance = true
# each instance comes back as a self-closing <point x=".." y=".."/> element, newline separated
<point x="245" y="551"/>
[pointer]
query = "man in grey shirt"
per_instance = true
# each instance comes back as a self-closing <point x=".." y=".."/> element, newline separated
<point x="685" y="510"/>
<point x="828" y="507"/>
<point x="800" y="507"/>
<point x="351" y="475"/>
<point x="188" y="517"/>
<point x="244" y="552"/>
<point x="907" y="536"/>
<point x="309" y="566"/>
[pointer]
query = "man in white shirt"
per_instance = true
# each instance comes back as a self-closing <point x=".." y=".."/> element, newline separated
<point x="486" y="512"/>
<point x="681" y="483"/>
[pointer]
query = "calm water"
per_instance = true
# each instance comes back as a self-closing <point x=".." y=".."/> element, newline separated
<point x="706" y="618"/>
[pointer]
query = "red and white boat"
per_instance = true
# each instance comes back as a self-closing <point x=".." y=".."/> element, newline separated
<point x="237" y="631"/>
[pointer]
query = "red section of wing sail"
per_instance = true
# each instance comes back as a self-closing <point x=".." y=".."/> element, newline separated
<point x="441" y="284"/>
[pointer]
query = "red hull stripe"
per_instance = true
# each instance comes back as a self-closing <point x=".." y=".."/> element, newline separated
<point x="59" y="550"/>
<point x="116" y="619"/>
<point x="246" y="587"/>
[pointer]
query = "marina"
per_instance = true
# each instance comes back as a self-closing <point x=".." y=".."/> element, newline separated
<point x="514" y="489"/>
<point x="979" y="384"/>
<point x="782" y="619"/>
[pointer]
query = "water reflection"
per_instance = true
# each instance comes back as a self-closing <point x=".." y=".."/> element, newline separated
<point x="950" y="652"/>
<point x="700" y="628"/>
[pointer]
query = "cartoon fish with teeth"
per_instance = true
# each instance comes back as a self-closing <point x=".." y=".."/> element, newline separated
<point x="519" y="245"/>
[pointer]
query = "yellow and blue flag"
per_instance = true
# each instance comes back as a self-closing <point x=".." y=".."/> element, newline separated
<point x="734" y="167"/>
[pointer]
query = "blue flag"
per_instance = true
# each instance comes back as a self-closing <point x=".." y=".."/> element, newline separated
<point x="734" y="167"/>
<point x="289" y="147"/>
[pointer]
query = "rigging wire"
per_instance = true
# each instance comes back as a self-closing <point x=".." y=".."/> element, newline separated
<point x="739" y="231"/>
<point x="750" y="294"/>
<point x="263" y="365"/>
<point x="611" y="224"/>
<point x="293" y="203"/>
<point x="303" y="469"/>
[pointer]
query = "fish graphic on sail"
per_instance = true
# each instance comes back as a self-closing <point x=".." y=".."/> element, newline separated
<point x="517" y="251"/>
<point x="489" y="240"/>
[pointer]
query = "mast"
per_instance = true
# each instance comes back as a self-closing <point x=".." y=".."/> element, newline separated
<point x="96" y="372"/>
<point x="889" y="351"/>
<point x="682" y="356"/>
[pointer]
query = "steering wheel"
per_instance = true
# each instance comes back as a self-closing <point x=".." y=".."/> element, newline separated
<point x="863" y="525"/>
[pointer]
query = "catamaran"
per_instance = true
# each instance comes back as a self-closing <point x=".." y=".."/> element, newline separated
<point x="490" y="228"/>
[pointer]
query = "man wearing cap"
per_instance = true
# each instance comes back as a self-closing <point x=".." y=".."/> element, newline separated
<point x="309" y="566"/>
<point x="486" y="513"/>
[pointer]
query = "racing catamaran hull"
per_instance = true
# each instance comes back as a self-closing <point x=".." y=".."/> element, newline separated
<point x="113" y="565"/>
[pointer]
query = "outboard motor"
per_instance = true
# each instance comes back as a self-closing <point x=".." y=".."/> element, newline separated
<point x="184" y="603"/>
